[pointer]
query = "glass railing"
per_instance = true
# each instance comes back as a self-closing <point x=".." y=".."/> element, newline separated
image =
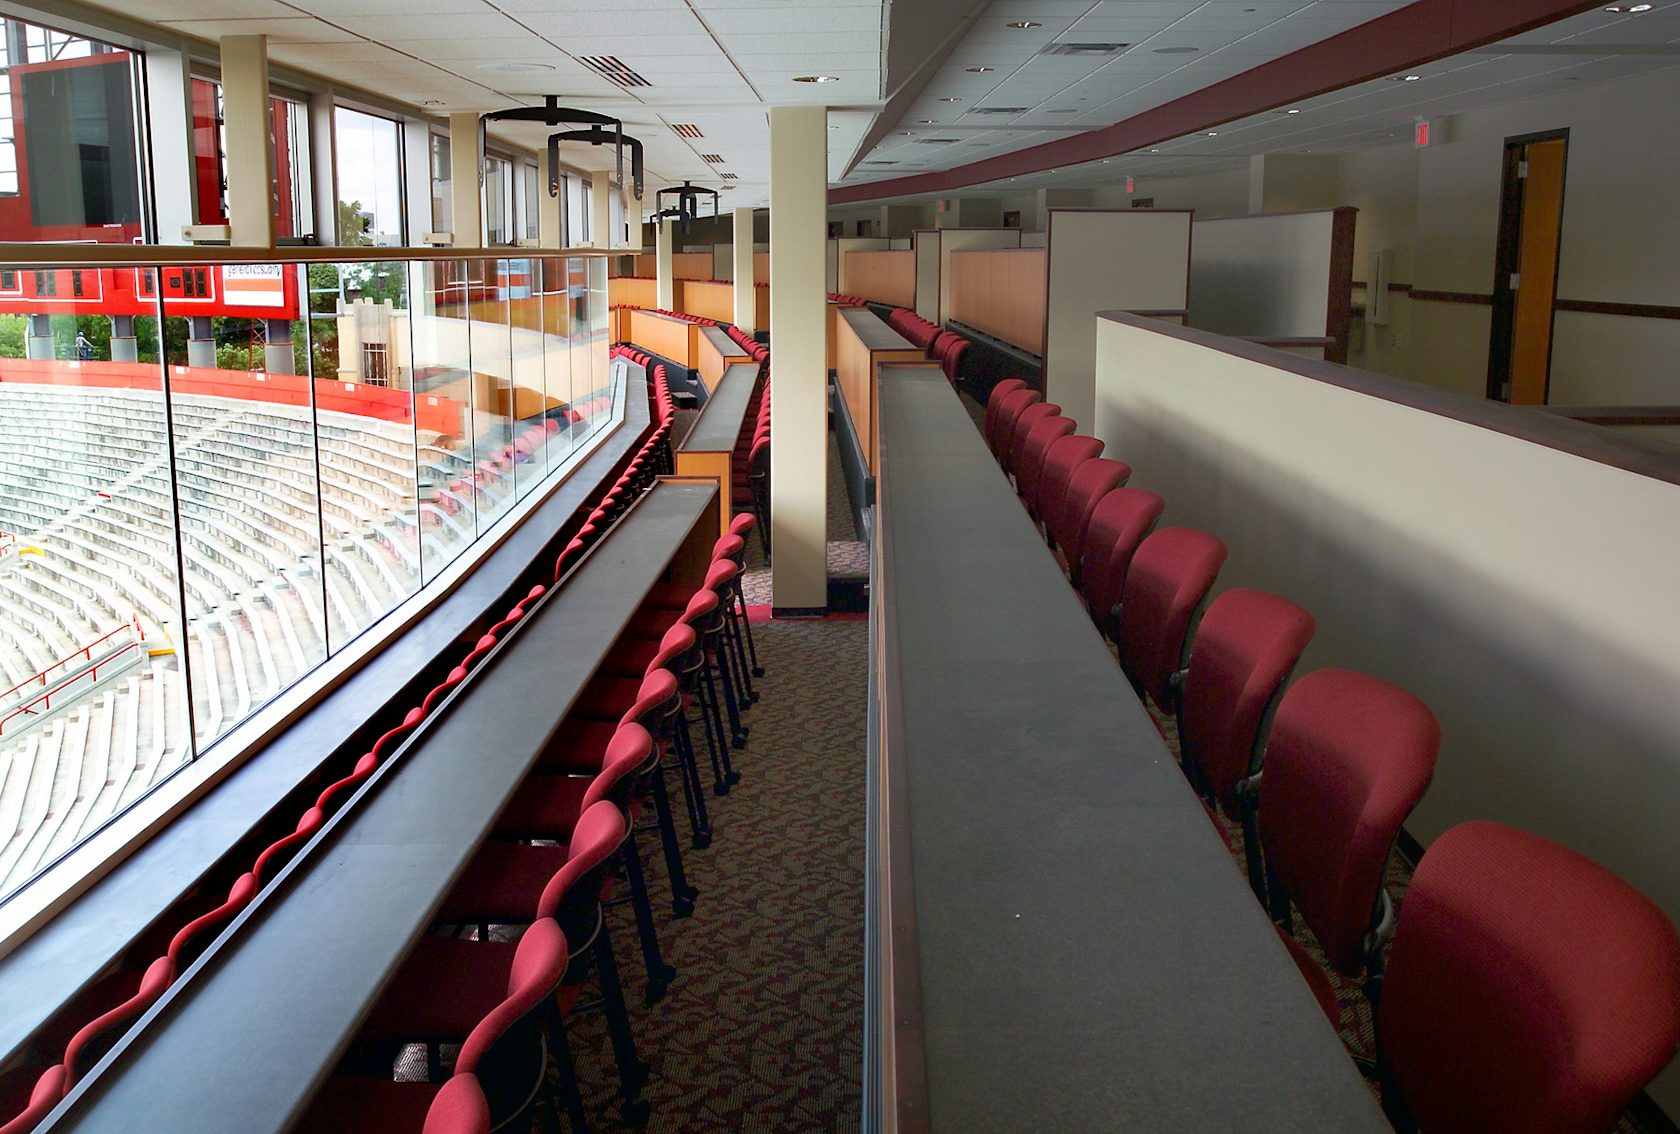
<point x="216" y="476"/>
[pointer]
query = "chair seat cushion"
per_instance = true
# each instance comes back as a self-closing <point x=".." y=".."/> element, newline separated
<point x="441" y="992"/>
<point x="546" y="807"/>
<point x="352" y="1104"/>
<point x="502" y="883"/>
<point x="578" y="747"/>
<point x="1317" y="978"/>
<point x="670" y="596"/>
<point x="651" y="623"/>
<point x="607" y="697"/>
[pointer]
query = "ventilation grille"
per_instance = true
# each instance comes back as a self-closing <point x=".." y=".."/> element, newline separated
<point x="1084" y="49"/>
<point x="728" y="177"/>
<point x="1000" y="110"/>
<point x="880" y="163"/>
<point x="714" y="159"/>
<point x="687" y="129"/>
<point x="614" y="69"/>
<point x="934" y="141"/>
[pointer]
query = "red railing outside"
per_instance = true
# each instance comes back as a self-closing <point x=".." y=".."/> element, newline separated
<point x="41" y="703"/>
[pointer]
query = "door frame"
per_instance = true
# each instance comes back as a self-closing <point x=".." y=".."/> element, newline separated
<point x="1508" y="253"/>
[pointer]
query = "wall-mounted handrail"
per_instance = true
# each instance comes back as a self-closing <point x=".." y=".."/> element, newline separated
<point x="150" y="255"/>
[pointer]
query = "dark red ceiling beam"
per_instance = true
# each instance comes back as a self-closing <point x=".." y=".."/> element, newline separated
<point x="1404" y="39"/>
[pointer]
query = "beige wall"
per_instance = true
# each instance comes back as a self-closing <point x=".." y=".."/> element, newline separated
<point x="1439" y="209"/>
<point x="1546" y="648"/>
<point x="1215" y="193"/>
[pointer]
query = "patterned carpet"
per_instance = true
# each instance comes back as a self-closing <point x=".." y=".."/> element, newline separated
<point x="763" y="1028"/>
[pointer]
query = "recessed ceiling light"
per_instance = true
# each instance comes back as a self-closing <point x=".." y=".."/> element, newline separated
<point x="948" y="98"/>
<point x="432" y="102"/>
<point x="1630" y="9"/>
<point x="927" y="121"/>
<point x="978" y="70"/>
<point x="1291" y="112"/>
<point x="1404" y="78"/>
<point x="514" y="68"/>
<point x="1105" y="161"/>
<point x="1176" y="50"/>
<point x="1211" y="134"/>
<point x="1023" y="25"/>
<point x="816" y="78"/>
<point x="1155" y="151"/>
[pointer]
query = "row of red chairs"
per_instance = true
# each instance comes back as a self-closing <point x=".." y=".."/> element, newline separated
<point x="750" y="462"/>
<point x="944" y="347"/>
<point x="1320" y="779"/>
<point x="555" y="855"/>
<point x="92" y="1022"/>
<point x="847" y="300"/>
<point x="685" y="317"/>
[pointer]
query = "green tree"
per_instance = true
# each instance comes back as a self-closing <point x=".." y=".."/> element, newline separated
<point x="353" y="225"/>
<point x="13" y="328"/>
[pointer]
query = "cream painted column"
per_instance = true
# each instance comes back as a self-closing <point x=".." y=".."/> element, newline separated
<point x="600" y="208"/>
<point x="466" y="167"/>
<point x="798" y="301"/>
<point x="549" y="219"/>
<point x="250" y="157"/>
<point x="632" y="239"/>
<point x="746" y="300"/>
<point x="665" y="293"/>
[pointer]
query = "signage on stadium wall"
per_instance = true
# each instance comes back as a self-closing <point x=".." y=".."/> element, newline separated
<point x="254" y="285"/>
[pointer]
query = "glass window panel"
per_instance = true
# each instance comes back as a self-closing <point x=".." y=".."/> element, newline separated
<point x="492" y="368"/>
<point x="365" y="434"/>
<point x="69" y="158"/>
<point x="245" y="466"/>
<point x="530" y="350"/>
<point x="370" y="200"/>
<point x="443" y="385"/>
<point x="557" y="370"/>
<point x="498" y="201"/>
<point x="93" y="692"/>
<point x="534" y="192"/>
<point x="294" y="209"/>
<point x="443" y="202"/>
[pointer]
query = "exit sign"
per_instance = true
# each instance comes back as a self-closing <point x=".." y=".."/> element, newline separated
<point x="1131" y="186"/>
<point x="1421" y="132"/>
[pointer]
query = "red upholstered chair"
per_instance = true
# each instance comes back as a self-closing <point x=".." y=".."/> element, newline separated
<point x="47" y="1092"/>
<point x="1243" y="653"/>
<point x="1029" y="467"/>
<point x="1001" y="430"/>
<point x="1061" y="460"/>
<point x="1090" y="482"/>
<point x="1347" y="759"/>
<point x="1528" y="989"/>
<point x="1167" y="584"/>
<point x="1118" y="525"/>
<point x="502" y="1002"/>
<point x="546" y="808"/>
<point x="951" y="364"/>
<point x="994" y="405"/>
<point x="1024" y="424"/>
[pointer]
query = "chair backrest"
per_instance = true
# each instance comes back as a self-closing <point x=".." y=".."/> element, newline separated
<point x="1087" y="484"/>
<point x="277" y="852"/>
<point x="1347" y="758"/>
<point x="630" y="749"/>
<point x="571" y="896"/>
<point x="505" y="1052"/>
<point x="1022" y="429"/>
<point x="460" y="1107"/>
<point x="1170" y="577"/>
<point x="239" y="896"/>
<point x="49" y="1089"/>
<point x="951" y="364"/>
<point x="1118" y="524"/>
<point x="1528" y="988"/>
<point x="1029" y="470"/>
<point x="1001" y="429"/>
<point x="95" y="1038"/>
<point x="994" y="404"/>
<point x="1244" y="650"/>
<point x="1064" y="456"/>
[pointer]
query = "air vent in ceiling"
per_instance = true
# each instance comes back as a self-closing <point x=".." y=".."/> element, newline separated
<point x="715" y="159"/>
<point x="729" y="177"/>
<point x="999" y="110"/>
<point x="1064" y="110"/>
<point x="1084" y="48"/>
<point x="934" y="141"/>
<point x="614" y="69"/>
<point x="880" y="163"/>
<point x="687" y="129"/>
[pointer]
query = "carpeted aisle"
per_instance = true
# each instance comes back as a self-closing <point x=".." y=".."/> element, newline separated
<point x="762" y="1029"/>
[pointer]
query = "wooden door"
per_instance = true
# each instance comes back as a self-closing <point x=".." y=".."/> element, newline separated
<point x="1525" y="282"/>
